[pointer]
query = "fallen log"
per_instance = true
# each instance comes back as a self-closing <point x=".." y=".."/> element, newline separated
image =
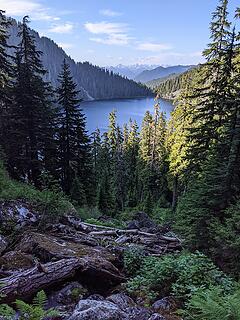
<point x="29" y="282"/>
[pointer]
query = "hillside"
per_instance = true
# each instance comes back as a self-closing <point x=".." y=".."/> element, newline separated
<point x="161" y="72"/>
<point x="156" y="82"/>
<point x="171" y="87"/>
<point x="93" y="82"/>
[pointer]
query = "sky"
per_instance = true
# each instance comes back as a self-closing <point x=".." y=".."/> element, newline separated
<point x="112" y="32"/>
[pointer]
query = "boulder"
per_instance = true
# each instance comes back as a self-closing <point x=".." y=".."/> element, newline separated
<point x="164" y="305"/>
<point x="97" y="310"/>
<point x="16" y="214"/>
<point x="157" y="316"/>
<point x="96" y="296"/>
<point x="121" y="300"/>
<point x="3" y="244"/>
<point x="68" y="295"/>
<point x="141" y="220"/>
<point x="138" y="313"/>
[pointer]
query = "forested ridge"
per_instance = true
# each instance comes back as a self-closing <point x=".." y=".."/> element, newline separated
<point x="171" y="87"/>
<point x="93" y="82"/>
<point x="165" y="197"/>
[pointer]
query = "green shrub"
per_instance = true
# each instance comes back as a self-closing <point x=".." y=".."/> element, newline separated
<point x="179" y="275"/>
<point x="162" y="215"/>
<point x="113" y="223"/>
<point x="226" y="245"/>
<point x="133" y="259"/>
<point x="213" y="304"/>
<point x="50" y="203"/>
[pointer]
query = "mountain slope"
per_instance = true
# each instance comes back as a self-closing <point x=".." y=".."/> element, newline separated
<point x="93" y="82"/>
<point x="172" y="87"/>
<point x="160" y="72"/>
<point x="156" y="82"/>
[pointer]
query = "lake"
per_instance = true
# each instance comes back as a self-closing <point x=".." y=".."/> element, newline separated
<point x="97" y="111"/>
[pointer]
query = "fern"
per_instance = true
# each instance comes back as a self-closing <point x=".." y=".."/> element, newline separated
<point x="36" y="311"/>
<point x="212" y="304"/>
<point x="6" y="311"/>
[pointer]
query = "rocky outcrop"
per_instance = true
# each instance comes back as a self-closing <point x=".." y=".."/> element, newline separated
<point x="97" y="310"/>
<point x="17" y="214"/>
<point x="74" y="260"/>
<point x="3" y="244"/>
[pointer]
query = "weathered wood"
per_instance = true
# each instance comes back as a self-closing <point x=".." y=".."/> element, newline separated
<point x="27" y="283"/>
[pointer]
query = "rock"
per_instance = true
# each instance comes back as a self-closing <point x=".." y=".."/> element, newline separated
<point x="3" y="244"/>
<point x="157" y="316"/>
<point x="69" y="294"/>
<point x="138" y="313"/>
<point x="164" y="305"/>
<point x="96" y="296"/>
<point x="134" y="224"/>
<point x="121" y="300"/>
<point x="16" y="214"/>
<point x="97" y="310"/>
<point x="144" y="220"/>
<point x="16" y="260"/>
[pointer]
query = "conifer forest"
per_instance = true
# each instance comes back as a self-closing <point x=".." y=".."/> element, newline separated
<point x="133" y="221"/>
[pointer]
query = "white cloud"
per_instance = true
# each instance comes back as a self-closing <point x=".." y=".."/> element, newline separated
<point x="114" y="33"/>
<point x="172" y="58"/>
<point x="20" y="8"/>
<point x="154" y="47"/>
<point x="62" y="28"/>
<point x="110" y="13"/>
<point x="105" y="27"/>
<point x="114" y="39"/>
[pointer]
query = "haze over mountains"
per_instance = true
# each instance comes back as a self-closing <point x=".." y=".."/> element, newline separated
<point x="93" y="82"/>
<point x="145" y="73"/>
<point x="131" y="71"/>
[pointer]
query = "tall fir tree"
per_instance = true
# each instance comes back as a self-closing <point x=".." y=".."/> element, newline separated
<point x="6" y="77"/>
<point x="75" y="165"/>
<point x="31" y="113"/>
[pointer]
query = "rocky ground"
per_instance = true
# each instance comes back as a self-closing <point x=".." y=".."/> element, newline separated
<point x="78" y="265"/>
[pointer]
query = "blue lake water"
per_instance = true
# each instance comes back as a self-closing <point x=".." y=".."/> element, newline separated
<point x="97" y="111"/>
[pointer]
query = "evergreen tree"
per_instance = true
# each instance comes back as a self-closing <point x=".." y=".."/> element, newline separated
<point x="6" y="74"/>
<point x="31" y="113"/>
<point x="214" y="139"/>
<point x="75" y="166"/>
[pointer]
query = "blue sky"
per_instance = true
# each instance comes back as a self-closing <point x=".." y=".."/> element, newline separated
<point x="111" y="32"/>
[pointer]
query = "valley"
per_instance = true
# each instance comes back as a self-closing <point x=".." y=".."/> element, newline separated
<point x="120" y="168"/>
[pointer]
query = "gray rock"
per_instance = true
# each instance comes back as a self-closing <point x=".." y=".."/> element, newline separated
<point x="162" y="305"/>
<point x="134" y="224"/>
<point x="121" y="300"/>
<point x="157" y="316"/>
<point x="137" y="313"/>
<point x="3" y="244"/>
<point x="16" y="214"/>
<point x="69" y="294"/>
<point x="96" y="296"/>
<point x="97" y="310"/>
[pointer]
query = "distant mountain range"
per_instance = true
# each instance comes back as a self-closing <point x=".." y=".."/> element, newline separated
<point x="161" y="72"/>
<point x="131" y="71"/>
<point x="93" y="82"/>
